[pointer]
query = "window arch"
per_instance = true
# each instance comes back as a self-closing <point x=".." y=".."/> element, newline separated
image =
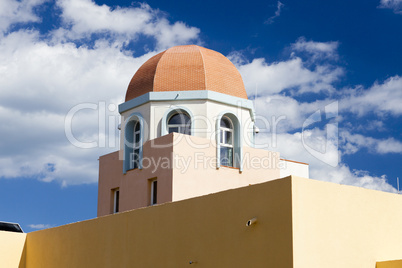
<point x="183" y="114"/>
<point x="134" y="158"/>
<point x="229" y="149"/>
<point x="133" y="140"/>
<point x="179" y="122"/>
<point x="226" y="141"/>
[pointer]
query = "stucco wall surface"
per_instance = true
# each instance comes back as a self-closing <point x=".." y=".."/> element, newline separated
<point x="133" y="185"/>
<point x="209" y="231"/>
<point x="195" y="172"/>
<point x="11" y="248"/>
<point x="344" y="226"/>
<point x="389" y="264"/>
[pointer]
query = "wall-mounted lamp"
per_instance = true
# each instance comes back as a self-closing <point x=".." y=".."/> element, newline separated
<point x="256" y="129"/>
<point x="251" y="221"/>
<point x="119" y="127"/>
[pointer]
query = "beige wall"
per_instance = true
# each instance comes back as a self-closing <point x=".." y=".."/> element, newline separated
<point x="344" y="226"/>
<point x="210" y="230"/>
<point x="11" y="248"/>
<point x="199" y="175"/>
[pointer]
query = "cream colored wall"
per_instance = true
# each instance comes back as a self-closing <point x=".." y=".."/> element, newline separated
<point x="293" y="168"/>
<point x="344" y="226"/>
<point x="209" y="230"/>
<point x="195" y="172"/>
<point x="11" y="248"/>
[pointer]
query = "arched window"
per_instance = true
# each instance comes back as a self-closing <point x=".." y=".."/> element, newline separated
<point x="135" y="157"/>
<point x="180" y="123"/>
<point x="177" y="119"/>
<point x="133" y="141"/>
<point x="226" y="141"/>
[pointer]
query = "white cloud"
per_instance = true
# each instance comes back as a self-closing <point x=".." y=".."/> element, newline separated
<point x="12" y="12"/>
<point x="295" y="74"/>
<point x="55" y="77"/>
<point x="291" y="147"/>
<point x="351" y="143"/>
<point x="317" y="50"/>
<point x="41" y="80"/>
<point x="279" y="7"/>
<point x="40" y="84"/>
<point x="39" y="226"/>
<point x="395" y="5"/>
<point x="380" y="98"/>
<point x="344" y="175"/>
<point x="289" y="113"/>
<point x="83" y="18"/>
<point x="366" y="125"/>
<point x="271" y="78"/>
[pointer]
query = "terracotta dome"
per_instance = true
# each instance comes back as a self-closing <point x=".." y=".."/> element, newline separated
<point x="184" y="68"/>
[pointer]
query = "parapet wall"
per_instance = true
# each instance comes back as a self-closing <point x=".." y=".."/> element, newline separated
<point x="11" y="248"/>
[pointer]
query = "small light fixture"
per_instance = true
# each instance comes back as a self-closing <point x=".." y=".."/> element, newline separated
<point x="251" y="221"/>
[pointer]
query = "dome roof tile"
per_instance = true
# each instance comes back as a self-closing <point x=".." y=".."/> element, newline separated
<point x="184" y="68"/>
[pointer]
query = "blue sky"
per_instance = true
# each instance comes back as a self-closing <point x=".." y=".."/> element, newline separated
<point x="298" y="60"/>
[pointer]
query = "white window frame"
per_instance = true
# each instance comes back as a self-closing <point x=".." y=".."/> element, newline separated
<point x="130" y="123"/>
<point x="136" y="145"/>
<point x="181" y="126"/>
<point x="223" y="142"/>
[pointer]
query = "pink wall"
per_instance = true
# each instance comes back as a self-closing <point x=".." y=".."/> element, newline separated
<point x="134" y="185"/>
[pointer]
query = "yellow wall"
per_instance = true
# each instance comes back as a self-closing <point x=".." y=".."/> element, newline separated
<point x="11" y="247"/>
<point x="390" y="264"/>
<point x="209" y="230"/>
<point x="344" y="226"/>
<point x="301" y="223"/>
